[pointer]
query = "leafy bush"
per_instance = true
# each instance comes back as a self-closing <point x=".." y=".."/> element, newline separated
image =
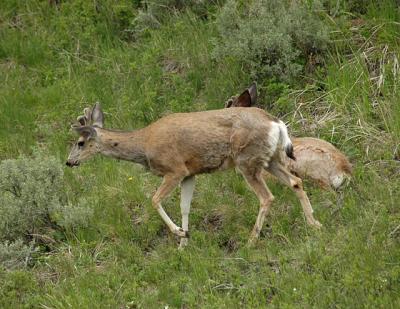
<point x="78" y="22"/>
<point x="272" y="38"/>
<point x="33" y="201"/>
<point x="353" y="6"/>
<point x="154" y="13"/>
<point x="15" y="254"/>
<point x="18" y="289"/>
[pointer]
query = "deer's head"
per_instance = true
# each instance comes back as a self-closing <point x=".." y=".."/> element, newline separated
<point x="87" y="144"/>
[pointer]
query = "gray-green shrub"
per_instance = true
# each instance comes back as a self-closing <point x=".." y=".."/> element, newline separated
<point x="15" y="254"/>
<point x="33" y="199"/>
<point x="154" y="13"/>
<point x="272" y="38"/>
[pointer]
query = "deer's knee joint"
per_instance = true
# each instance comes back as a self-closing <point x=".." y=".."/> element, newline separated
<point x="297" y="184"/>
<point x="155" y="202"/>
<point x="266" y="202"/>
<point x="264" y="210"/>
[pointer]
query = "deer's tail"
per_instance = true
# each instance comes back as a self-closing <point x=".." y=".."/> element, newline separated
<point x="285" y="140"/>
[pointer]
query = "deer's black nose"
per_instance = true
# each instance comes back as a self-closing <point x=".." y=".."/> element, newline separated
<point x="68" y="163"/>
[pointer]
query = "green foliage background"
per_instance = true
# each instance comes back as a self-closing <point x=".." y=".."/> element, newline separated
<point x="144" y="59"/>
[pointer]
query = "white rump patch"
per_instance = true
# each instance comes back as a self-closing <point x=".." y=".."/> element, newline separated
<point x="274" y="136"/>
<point x="286" y="142"/>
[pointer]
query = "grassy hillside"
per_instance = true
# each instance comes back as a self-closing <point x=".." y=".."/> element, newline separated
<point x="143" y="60"/>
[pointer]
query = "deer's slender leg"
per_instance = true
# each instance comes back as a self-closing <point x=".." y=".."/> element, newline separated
<point x="187" y="188"/>
<point x="256" y="182"/>
<point x="296" y="184"/>
<point x="168" y="184"/>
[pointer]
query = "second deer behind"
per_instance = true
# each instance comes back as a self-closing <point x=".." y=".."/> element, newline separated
<point x="316" y="159"/>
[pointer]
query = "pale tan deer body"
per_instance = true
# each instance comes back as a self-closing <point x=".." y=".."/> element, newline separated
<point x="180" y="146"/>
<point x="316" y="159"/>
<point x="319" y="161"/>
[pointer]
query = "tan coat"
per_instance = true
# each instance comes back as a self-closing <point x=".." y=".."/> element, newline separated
<point x="180" y="146"/>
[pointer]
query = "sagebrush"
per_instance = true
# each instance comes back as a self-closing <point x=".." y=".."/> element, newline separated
<point x="272" y="38"/>
<point x="34" y="204"/>
<point x="16" y="254"/>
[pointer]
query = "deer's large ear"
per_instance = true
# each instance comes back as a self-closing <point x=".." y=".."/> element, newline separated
<point x="88" y="114"/>
<point x="244" y="100"/>
<point x="97" y="116"/>
<point x="248" y="97"/>
<point x="82" y="120"/>
<point x="86" y="131"/>
<point x="253" y="93"/>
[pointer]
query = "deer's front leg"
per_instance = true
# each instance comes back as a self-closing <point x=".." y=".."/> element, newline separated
<point x="168" y="184"/>
<point x="187" y="188"/>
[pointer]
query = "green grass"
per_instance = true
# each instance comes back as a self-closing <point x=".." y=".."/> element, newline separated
<point x="54" y="62"/>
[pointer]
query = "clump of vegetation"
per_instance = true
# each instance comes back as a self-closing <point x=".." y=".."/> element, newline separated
<point x="34" y="206"/>
<point x="153" y="13"/>
<point x="15" y="254"/>
<point x="272" y="38"/>
<point x="352" y="6"/>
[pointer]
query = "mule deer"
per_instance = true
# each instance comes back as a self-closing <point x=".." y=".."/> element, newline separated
<point x="179" y="146"/>
<point x="316" y="159"/>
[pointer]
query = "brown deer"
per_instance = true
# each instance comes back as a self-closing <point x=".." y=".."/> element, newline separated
<point x="316" y="159"/>
<point x="179" y="146"/>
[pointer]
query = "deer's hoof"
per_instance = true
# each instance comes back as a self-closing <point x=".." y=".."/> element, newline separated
<point x="251" y="242"/>
<point x="183" y="243"/>
<point x="316" y="224"/>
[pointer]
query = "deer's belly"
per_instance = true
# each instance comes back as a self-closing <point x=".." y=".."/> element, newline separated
<point x="197" y="167"/>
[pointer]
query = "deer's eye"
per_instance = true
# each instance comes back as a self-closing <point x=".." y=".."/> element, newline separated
<point x="81" y="143"/>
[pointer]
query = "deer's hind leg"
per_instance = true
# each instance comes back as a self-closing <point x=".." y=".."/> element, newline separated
<point x="255" y="180"/>
<point x="170" y="181"/>
<point x="296" y="184"/>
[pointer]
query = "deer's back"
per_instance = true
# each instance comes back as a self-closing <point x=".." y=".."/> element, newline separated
<point x="205" y="141"/>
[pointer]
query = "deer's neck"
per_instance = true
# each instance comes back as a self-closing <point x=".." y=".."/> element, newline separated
<point x="122" y="145"/>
